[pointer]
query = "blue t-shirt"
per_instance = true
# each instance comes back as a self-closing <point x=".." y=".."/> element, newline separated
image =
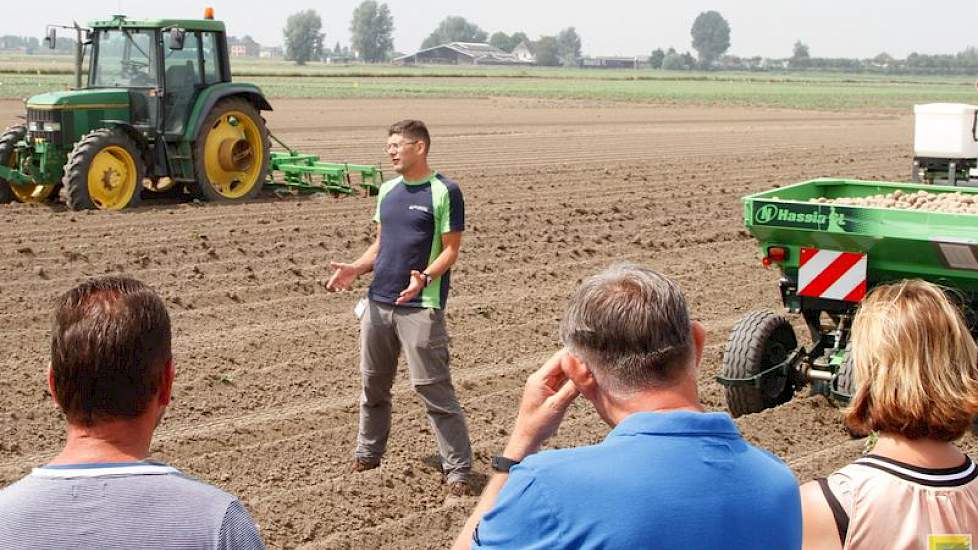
<point x="413" y="217"/>
<point x="660" y="480"/>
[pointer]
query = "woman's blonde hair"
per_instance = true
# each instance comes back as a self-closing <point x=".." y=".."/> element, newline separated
<point x="915" y="364"/>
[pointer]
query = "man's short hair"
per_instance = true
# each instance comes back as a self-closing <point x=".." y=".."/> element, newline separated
<point x="110" y="346"/>
<point x="631" y="326"/>
<point x="915" y="364"/>
<point x="414" y="130"/>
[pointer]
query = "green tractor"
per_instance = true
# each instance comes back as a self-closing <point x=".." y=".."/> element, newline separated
<point x="158" y="113"/>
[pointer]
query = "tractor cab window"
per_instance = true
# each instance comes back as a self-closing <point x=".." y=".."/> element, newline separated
<point x="125" y="59"/>
<point x="212" y="59"/>
<point x="182" y="79"/>
<point x="183" y="66"/>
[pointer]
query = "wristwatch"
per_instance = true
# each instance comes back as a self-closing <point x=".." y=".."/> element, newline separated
<point x="502" y="464"/>
<point x="427" y="278"/>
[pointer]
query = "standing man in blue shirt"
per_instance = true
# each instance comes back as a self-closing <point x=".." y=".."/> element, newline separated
<point x="420" y="218"/>
<point x="669" y="475"/>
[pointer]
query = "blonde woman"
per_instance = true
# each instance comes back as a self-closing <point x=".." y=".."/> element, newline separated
<point x="916" y="368"/>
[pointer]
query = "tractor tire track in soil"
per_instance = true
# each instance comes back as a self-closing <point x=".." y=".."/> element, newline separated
<point x="266" y="394"/>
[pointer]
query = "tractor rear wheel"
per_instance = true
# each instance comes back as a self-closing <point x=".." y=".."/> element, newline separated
<point x="232" y="152"/>
<point x="10" y="192"/>
<point x="759" y="341"/>
<point x="105" y="171"/>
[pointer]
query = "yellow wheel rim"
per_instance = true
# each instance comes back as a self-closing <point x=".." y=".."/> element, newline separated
<point x="28" y="192"/>
<point x="233" y="154"/>
<point x="112" y="178"/>
<point x="160" y="185"/>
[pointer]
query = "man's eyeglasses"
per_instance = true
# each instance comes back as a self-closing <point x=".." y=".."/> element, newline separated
<point x="391" y="147"/>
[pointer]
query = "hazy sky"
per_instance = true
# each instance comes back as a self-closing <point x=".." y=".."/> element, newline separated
<point x="831" y="28"/>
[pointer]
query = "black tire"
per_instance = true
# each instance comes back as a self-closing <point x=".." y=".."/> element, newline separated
<point x="845" y="383"/>
<point x="760" y="340"/>
<point x="8" y="140"/>
<point x="844" y="388"/>
<point x="76" y="191"/>
<point x="819" y="387"/>
<point x="204" y="189"/>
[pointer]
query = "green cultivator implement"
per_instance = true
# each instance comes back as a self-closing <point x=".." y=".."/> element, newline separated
<point x="833" y="240"/>
<point x="306" y="173"/>
<point x="158" y="113"/>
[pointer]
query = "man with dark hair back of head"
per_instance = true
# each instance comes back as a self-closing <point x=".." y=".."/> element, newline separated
<point x="111" y="374"/>
<point x="420" y="217"/>
<point x="669" y="475"/>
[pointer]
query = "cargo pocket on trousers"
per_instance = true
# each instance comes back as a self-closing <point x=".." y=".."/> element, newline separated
<point x="428" y="358"/>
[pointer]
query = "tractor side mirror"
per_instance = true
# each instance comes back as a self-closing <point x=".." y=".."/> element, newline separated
<point x="86" y="37"/>
<point x="52" y="37"/>
<point x="175" y="40"/>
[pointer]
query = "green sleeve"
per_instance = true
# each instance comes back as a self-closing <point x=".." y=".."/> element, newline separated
<point x="384" y="189"/>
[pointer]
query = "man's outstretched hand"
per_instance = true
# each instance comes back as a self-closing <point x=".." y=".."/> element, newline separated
<point x="547" y="396"/>
<point x="414" y="287"/>
<point x="343" y="276"/>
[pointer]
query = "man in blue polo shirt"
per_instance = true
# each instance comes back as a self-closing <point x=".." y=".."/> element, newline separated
<point x="669" y="475"/>
<point x="420" y="217"/>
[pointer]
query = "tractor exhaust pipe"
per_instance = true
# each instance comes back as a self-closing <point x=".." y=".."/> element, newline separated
<point x="79" y="54"/>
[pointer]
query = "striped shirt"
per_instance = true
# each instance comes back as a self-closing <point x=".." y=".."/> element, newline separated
<point x="882" y="504"/>
<point x="121" y="506"/>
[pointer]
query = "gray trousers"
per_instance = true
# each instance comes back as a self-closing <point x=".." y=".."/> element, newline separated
<point x="384" y="331"/>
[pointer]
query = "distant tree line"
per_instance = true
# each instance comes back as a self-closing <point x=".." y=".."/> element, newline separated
<point x="711" y="39"/>
<point x="11" y="42"/>
<point x="31" y="44"/>
<point x="963" y="62"/>
<point x="671" y="60"/>
<point x="372" y="28"/>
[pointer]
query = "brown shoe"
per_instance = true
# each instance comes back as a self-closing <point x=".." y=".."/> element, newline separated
<point x="459" y="488"/>
<point x="361" y="465"/>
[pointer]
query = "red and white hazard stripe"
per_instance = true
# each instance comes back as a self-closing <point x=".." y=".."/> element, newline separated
<point x="832" y="275"/>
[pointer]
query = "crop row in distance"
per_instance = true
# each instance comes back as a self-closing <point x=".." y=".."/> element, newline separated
<point x="789" y="90"/>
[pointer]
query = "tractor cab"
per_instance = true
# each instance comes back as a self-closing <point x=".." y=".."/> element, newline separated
<point x="164" y="64"/>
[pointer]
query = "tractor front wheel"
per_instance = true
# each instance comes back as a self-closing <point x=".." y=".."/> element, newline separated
<point x="231" y="154"/>
<point x="759" y="341"/>
<point x="105" y="171"/>
<point x="25" y="192"/>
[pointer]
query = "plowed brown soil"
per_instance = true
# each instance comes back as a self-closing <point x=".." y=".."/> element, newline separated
<point x="267" y="359"/>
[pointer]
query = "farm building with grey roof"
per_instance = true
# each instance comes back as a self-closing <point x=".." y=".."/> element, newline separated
<point x="461" y="53"/>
